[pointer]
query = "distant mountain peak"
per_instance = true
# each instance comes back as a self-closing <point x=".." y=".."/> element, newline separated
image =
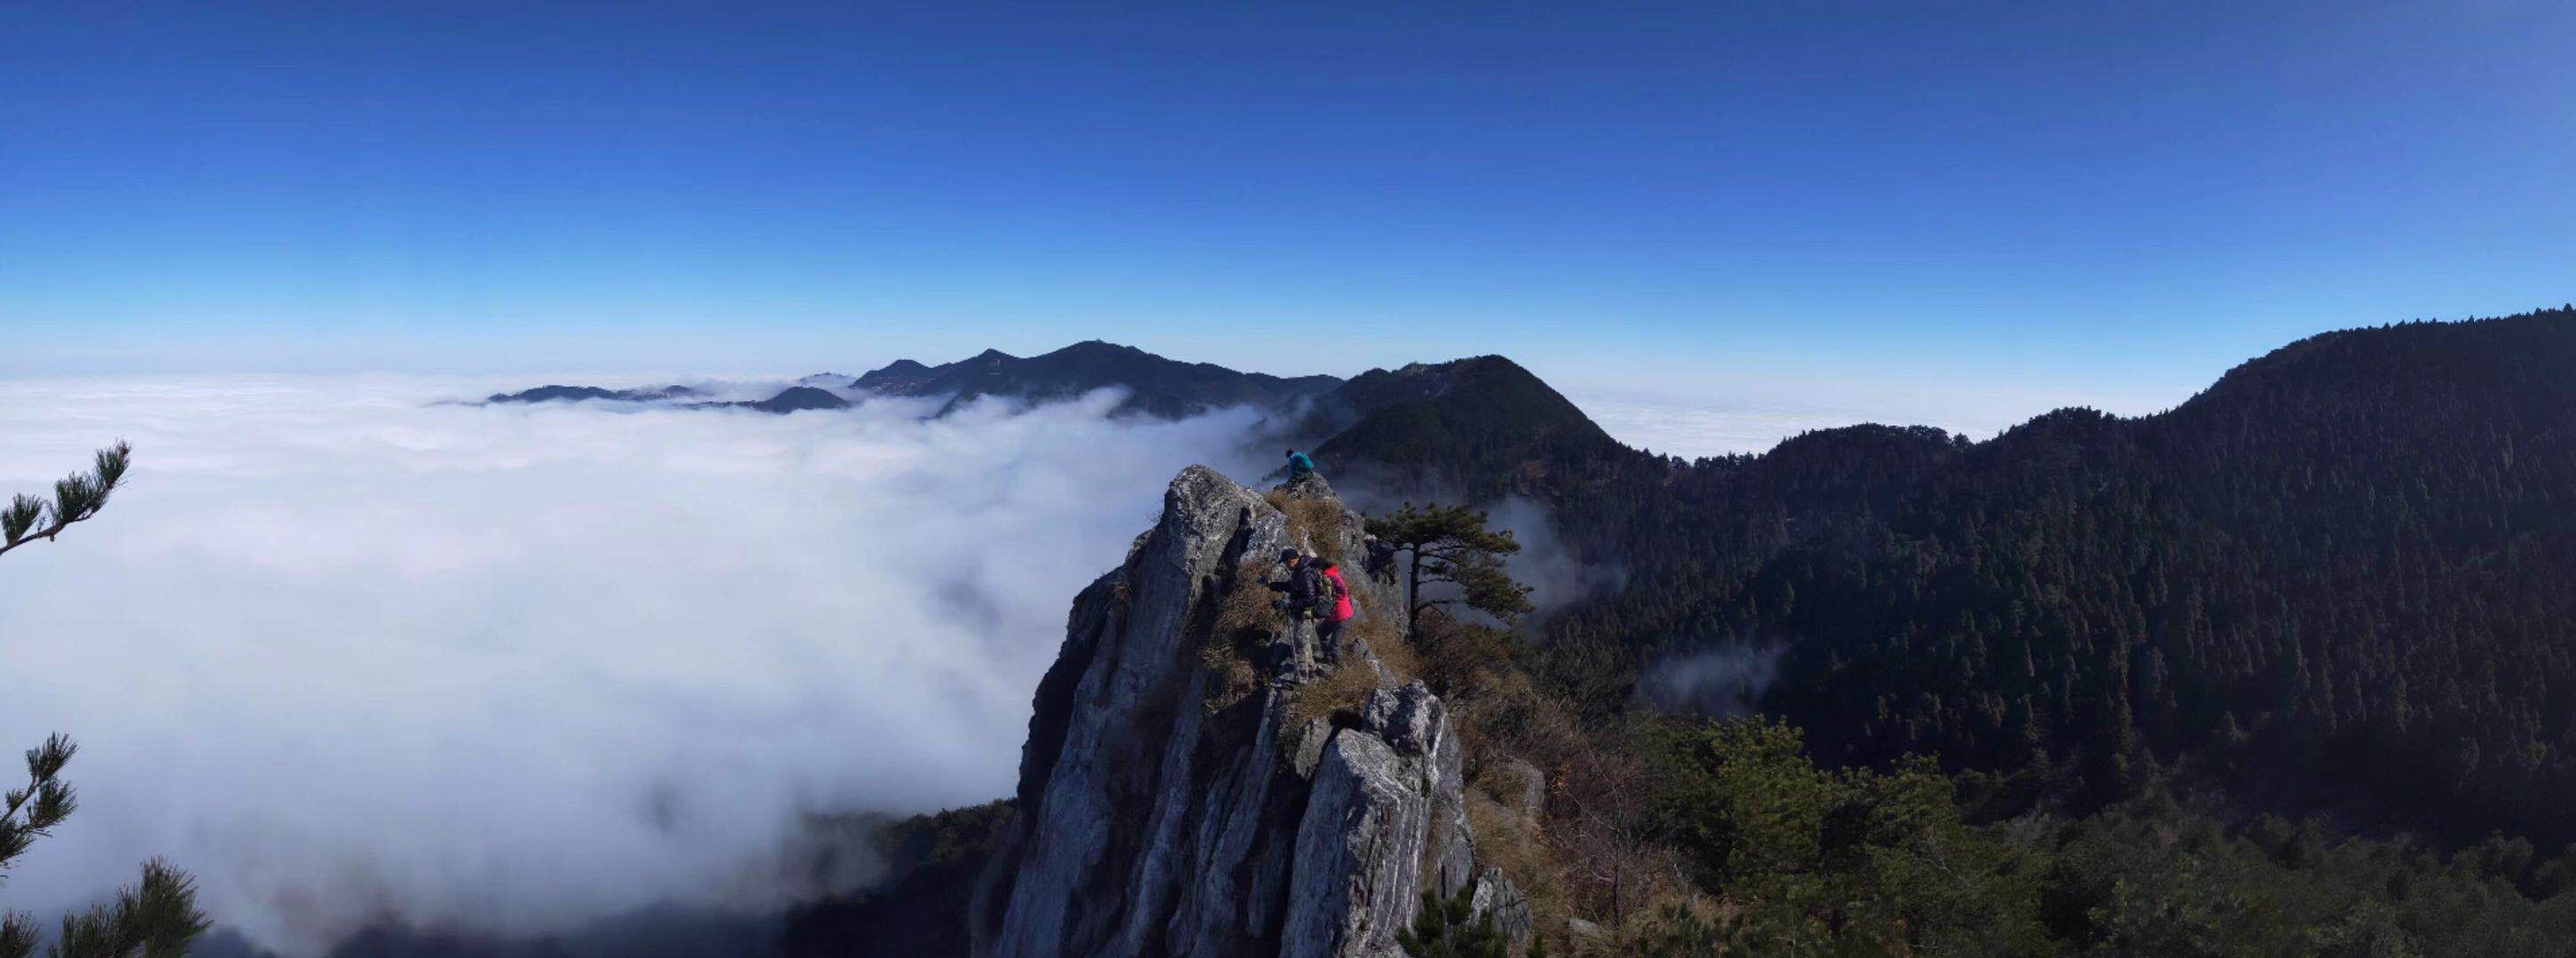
<point x="558" y="393"/>
<point x="800" y="398"/>
<point x="1100" y="346"/>
<point x="1156" y="386"/>
<point x="1482" y="426"/>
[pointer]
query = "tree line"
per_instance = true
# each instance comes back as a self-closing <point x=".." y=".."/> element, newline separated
<point x="2342" y="579"/>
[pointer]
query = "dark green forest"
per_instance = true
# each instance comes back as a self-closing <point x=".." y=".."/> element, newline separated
<point x="2343" y="579"/>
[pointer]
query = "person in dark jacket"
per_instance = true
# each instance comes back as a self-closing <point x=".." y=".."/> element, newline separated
<point x="1298" y="592"/>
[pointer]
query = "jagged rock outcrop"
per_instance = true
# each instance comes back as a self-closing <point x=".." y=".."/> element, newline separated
<point x="1497" y="897"/>
<point x="1178" y="795"/>
<point x="1387" y="813"/>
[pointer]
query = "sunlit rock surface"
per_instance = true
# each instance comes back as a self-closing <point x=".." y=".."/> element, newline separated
<point x="1162" y="813"/>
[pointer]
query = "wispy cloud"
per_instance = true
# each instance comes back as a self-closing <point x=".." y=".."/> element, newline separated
<point x="1723" y="680"/>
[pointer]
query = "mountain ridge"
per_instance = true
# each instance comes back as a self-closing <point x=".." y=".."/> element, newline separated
<point x="1480" y="427"/>
<point x="1157" y="386"/>
<point x="2287" y="586"/>
<point x="581" y="393"/>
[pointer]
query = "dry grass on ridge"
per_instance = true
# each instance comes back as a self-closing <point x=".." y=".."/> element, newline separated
<point x="1316" y="524"/>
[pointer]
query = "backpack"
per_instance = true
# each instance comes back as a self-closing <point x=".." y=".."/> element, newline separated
<point x="1316" y="590"/>
<point x="1333" y="597"/>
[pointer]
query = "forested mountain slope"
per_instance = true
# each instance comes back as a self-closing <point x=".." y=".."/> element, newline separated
<point x="1478" y="428"/>
<point x="2342" y="578"/>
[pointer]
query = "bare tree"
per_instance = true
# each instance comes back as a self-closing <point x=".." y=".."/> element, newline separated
<point x="1601" y="832"/>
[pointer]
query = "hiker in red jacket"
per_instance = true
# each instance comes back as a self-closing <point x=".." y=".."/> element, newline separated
<point x="1328" y="621"/>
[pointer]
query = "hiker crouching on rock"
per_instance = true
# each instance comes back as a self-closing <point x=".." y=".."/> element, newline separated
<point x="1300" y="465"/>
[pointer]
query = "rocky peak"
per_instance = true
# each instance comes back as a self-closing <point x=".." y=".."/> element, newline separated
<point x="1100" y="347"/>
<point x="896" y="378"/>
<point x="1204" y="777"/>
<point x="799" y="398"/>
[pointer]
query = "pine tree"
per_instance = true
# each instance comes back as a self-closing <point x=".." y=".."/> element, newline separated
<point x="1451" y="929"/>
<point x="155" y="918"/>
<point x="1450" y="545"/>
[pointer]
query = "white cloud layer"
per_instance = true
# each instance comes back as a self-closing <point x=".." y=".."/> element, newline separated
<point x="343" y="652"/>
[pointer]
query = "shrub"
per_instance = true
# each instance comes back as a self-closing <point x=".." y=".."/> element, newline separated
<point x="1315" y="525"/>
<point x="1386" y="640"/>
<point x="1344" y="689"/>
<point x="1449" y="929"/>
<point x="1507" y="840"/>
<point x="1231" y="677"/>
<point x="1245" y="607"/>
<point x="1243" y="615"/>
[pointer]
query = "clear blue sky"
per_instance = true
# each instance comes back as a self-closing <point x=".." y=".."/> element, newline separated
<point x="2051" y="196"/>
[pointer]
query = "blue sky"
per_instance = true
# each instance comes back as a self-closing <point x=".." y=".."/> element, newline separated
<point x="2052" y="201"/>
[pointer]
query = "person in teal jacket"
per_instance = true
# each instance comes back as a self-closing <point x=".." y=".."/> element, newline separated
<point x="1299" y="464"/>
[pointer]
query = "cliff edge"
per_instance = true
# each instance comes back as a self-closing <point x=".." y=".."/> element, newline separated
<point x="1203" y="777"/>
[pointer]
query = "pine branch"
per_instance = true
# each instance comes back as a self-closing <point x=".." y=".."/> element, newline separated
<point x="52" y="799"/>
<point x="155" y="918"/>
<point x="77" y="498"/>
<point x="17" y="935"/>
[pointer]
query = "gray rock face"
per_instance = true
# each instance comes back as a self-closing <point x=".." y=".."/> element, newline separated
<point x="1387" y="805"/>
<point x="1527" y="788"/>
<point x="1497" y="897"/>
<point x="1157" y="817"/>
<point x="1584" y="932"/>
<point x="1413" y="721"/>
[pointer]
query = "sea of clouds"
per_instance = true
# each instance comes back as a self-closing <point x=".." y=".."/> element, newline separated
<point x="349" y="653"/>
